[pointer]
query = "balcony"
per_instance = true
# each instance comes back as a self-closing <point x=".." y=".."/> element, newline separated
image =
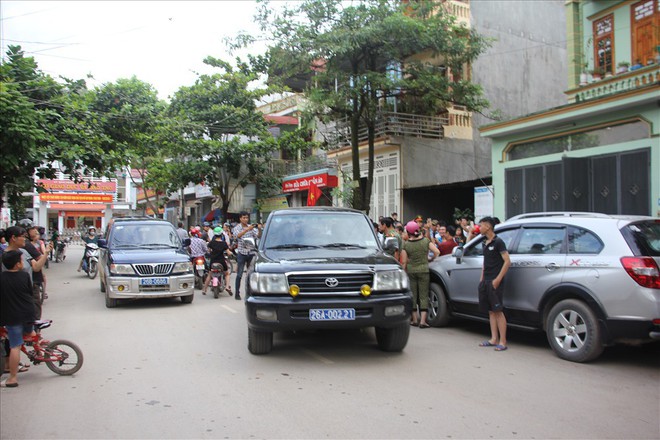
<point x="280" y="167"/>
<point x="338" y="134"/>
<point x="616" y="84"/>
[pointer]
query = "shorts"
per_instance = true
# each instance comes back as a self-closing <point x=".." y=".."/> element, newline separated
<point x="490" y="299"/>
<point x="16" y="332"/>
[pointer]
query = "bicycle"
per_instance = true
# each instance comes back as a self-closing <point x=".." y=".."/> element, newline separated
<point x="60" y="356"/>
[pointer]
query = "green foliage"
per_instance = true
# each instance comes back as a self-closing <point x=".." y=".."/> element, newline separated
<point x="460" y="213"/>
<point x="44" y="124"/>
<point x="228" y="144"/>
<point x="349" y="58"/>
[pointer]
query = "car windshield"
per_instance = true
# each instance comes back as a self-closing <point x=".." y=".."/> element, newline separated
<point x="141" y="235"/>
<point x="330" y="230"/>
<point x="644" y="238"/>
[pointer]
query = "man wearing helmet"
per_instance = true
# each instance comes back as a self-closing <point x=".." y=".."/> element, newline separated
<point x="217" y="248"/>
<point x="91" y="237"/>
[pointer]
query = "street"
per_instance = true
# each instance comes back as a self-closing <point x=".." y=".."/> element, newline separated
<point x="163" y="369"/>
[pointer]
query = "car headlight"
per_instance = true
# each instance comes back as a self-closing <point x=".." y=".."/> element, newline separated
<point x="391" y="280"/>
<point x="268" y="283"/>
<point x="121" y="269"/>
<point x="185" y="267"/>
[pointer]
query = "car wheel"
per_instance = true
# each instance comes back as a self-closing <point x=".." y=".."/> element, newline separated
<point x="438" y="307"/>
<point x="260" y="342"/>
<point x="187" y="299"/>
<point x="393" y="338"/>
<point x="573" y="331"/>
<point x="110" y="303"/>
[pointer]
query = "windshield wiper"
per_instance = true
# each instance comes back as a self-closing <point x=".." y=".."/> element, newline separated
<point x="125" y="245"/>
<point x="292" y="246"/>
<point x="155" y="244"/>
<point x="343" y="245"/>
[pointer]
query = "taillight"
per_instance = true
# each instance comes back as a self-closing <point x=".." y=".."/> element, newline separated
<point x="199" y="261"/>
<point x="643" y="270"/>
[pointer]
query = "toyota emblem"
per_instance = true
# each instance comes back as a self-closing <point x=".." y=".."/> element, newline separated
<point x="331" y="282"/>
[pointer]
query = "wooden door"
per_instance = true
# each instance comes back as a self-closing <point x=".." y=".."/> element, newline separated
<point x="645" y="30"/>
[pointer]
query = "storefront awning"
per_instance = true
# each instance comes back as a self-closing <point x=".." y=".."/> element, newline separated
<point x="77" y="207"/>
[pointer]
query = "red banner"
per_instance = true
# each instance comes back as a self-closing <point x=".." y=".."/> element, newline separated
<point x="302" y="184"/>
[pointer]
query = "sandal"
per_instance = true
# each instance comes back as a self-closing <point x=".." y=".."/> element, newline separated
<point x="424" y="326"/>
<point x="500" y="347"/>
<point x="486" y="344"/>
<point x="228" y="289"/>
<point x="414" y="324"/>
<point x="203" y="292"/>
<point x="22" y="368"/>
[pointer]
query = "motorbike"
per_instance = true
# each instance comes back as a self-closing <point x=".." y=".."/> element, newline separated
<point x="199" y="268"/>
<point x="217" y="279"/>
<point x="60" y="250"/>
<point x="91" y="261"/>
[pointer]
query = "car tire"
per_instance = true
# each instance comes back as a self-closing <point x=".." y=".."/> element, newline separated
<point x="260" y="342"/>
<point x="438" y="306"/>
<point x="393" y="338"/>
<point x="187" y="299"/>
<point x="573" y="331"/>
<point x="110" y="303"/>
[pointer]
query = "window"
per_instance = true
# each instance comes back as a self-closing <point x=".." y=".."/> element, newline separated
<point x="581" y="241"/>
<point x="645" y="17"/>
<point x="507" y="237"/>
<point x="541" y="241"/>
<point x="603" y="43"/>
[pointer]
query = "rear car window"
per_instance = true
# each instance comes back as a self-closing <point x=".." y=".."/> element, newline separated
<point x="581" y="241"/>
<point x="643" y="238"/>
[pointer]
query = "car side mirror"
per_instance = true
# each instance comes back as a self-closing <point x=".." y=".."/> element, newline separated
<point x="186" y="242"/>
<point x="391" y="244"/>
<point x="103" y="243"/>
<point x="250" y="243"/>
<point x="458" y="254"/>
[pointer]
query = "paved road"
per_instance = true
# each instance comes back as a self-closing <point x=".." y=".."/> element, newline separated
<point x="162" y="369"/>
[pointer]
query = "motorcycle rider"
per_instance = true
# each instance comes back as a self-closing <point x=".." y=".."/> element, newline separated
<point x="217" y="247"/>
<point x="91" y="237"/>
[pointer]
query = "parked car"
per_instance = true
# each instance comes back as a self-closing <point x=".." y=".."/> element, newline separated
<point x="588" y="280"/>
<point x="144" y="258"/>
<point x="324" y="268"/>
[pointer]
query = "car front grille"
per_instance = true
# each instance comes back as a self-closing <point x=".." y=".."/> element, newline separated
<point x="158" y="288"/>
<point x="329" y="283"/>
<point x="153" y="269"/>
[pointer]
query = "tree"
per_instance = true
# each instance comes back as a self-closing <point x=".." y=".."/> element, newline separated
<point x="351" y="57"/>
<point x="135" y="126"/>
<point x="45" y="127"/>
<point x="228" y="144"/>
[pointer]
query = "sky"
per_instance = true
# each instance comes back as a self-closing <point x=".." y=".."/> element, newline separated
<point x="160" y="42"/>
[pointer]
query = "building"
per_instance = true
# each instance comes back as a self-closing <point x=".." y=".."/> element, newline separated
<point x="600" y="150"/>
<point x="429" y="165"/>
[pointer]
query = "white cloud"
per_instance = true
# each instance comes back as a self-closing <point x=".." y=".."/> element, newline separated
<point x="162" y="43"/>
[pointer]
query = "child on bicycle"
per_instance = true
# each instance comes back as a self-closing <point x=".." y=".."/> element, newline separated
<point x="17" y="309"/>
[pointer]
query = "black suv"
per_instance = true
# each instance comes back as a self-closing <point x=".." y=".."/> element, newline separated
<point x="144" y="258"/>
<point x="324" y="268"/>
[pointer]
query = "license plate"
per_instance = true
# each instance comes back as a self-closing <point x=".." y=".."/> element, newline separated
<point x="331" y="314"/>
<point x="153" y="281"/>
<point x="200" y="267"/>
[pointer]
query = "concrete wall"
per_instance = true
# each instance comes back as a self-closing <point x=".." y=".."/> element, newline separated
<point x="526" y="68"/>
<point x="432" y="162"/>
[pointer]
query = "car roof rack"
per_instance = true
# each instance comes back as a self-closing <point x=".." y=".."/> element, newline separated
<point x="559" y="214"/>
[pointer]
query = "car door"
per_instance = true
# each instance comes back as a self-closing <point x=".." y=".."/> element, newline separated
<point x="538" y="262"/>
<point x="463" y="278"/>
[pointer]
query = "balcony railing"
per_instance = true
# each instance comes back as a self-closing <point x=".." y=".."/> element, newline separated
<point x="281" y="167"/>
<point x="615" y="84"/>
<point x="338" y="135"/>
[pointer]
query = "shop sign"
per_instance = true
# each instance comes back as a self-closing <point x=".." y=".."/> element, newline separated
<point x="302" y="184"/>
<point x="70" y="197"/>
<point x="69" y="185"/>
<point x="202" y="191"/>
<point x="272" y="203"/>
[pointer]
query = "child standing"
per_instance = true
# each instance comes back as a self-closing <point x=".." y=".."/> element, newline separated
<point x="17" y="309"/>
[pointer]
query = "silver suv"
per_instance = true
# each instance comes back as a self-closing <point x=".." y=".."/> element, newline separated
<point x="588" y="280"/>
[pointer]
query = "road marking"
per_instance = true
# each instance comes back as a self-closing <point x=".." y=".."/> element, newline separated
<point x="229" y="308"/>
<point x="317" y="356"/>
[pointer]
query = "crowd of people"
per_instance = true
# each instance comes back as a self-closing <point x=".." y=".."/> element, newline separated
<point x="218" y="242"/>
